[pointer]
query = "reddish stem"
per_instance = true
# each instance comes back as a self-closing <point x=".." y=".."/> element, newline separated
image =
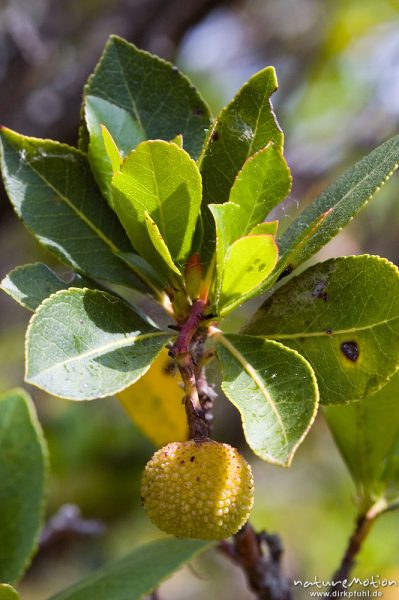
<point x="188" y="329"/>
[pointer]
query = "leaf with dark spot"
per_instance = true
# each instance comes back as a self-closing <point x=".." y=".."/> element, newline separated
<point x="362" y="312"/>
<point x="350" y="350"/>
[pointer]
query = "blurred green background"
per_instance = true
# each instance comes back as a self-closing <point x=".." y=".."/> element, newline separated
<point x="338" y="66"/>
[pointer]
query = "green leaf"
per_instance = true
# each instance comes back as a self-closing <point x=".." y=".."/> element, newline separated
<point x="86" y="344"/>
<point x="100" y="152"/>
<point x="159" y="244"/>
<point x="7" y="592"/>
<point x="30" y="284"/>
<point x="54" y="193"/>
<point x="366" y="433"/>
<point x="261" y="185"/>
<point x="178" y="140"/>
<point x="159" y="178"/>
<point x="228" y="228"/>
<point x="343" y="199"/>
<point x="248" y="261"/>
<point x="138" y="96"/>
<point x="343" y="316"/>
<point x="23" y="464"/>
<point x="263" y="182"/>
<point x="244" y="127"/>
<point x="270" y="227"/>
<point x="275" y="390"/>
<point x="138" y="573"/>
<point x="111" y="149"/>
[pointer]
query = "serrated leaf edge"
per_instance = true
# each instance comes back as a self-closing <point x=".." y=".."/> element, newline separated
<point x="284" y="258"/>
<point x="112" y="41"/>
<point x="226" y="109"/>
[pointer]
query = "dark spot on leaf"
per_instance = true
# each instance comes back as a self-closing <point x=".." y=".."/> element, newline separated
<point x="250" y="268"/>
<point x="328" y="331"/>
<point x="350" y="350"/>
<point x="261" y="267"/>
<point x="287" y="271"/>
<point x="182" y="462"/>
<point x="215" y="136"/>
<point x="199" y="111"/>
<point x="197" y="478"/>
<point x="192" y="459"/>
<point x="320" y="291"/>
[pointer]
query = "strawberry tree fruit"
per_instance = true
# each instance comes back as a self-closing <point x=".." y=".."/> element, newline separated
<point x="200" y="490"/>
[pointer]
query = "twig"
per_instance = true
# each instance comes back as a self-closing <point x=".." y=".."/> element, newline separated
<point x="191" y="341"/>
<point x="206" y="392"/>
<point x="263" y="573"/>
<point x="188" y="329"/>
<point x="68" y="524"/>
<point x="363" y="525"/>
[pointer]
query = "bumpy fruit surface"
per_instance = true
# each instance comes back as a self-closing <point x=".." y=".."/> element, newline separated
<point x="201" y="490"/>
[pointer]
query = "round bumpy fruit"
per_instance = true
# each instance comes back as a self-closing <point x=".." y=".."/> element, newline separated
<point x="201" y="490"/>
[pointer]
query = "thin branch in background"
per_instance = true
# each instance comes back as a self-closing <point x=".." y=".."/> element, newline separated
<point x="363" y="526"/>
<point x="66" y="525"/>
<point x="263" y="573"/>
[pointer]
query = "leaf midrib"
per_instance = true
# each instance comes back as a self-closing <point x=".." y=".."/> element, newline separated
<point x="287" y="336"/>
<point x="134" y="105"/>
<point x="80" y="214"/>
<point x="99" y="351"/>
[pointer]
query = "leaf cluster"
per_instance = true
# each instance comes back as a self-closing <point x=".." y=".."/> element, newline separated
<point x="161" y="201"/>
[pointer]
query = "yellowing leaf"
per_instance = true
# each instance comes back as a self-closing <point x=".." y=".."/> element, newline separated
<point x="155" y="405"/>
